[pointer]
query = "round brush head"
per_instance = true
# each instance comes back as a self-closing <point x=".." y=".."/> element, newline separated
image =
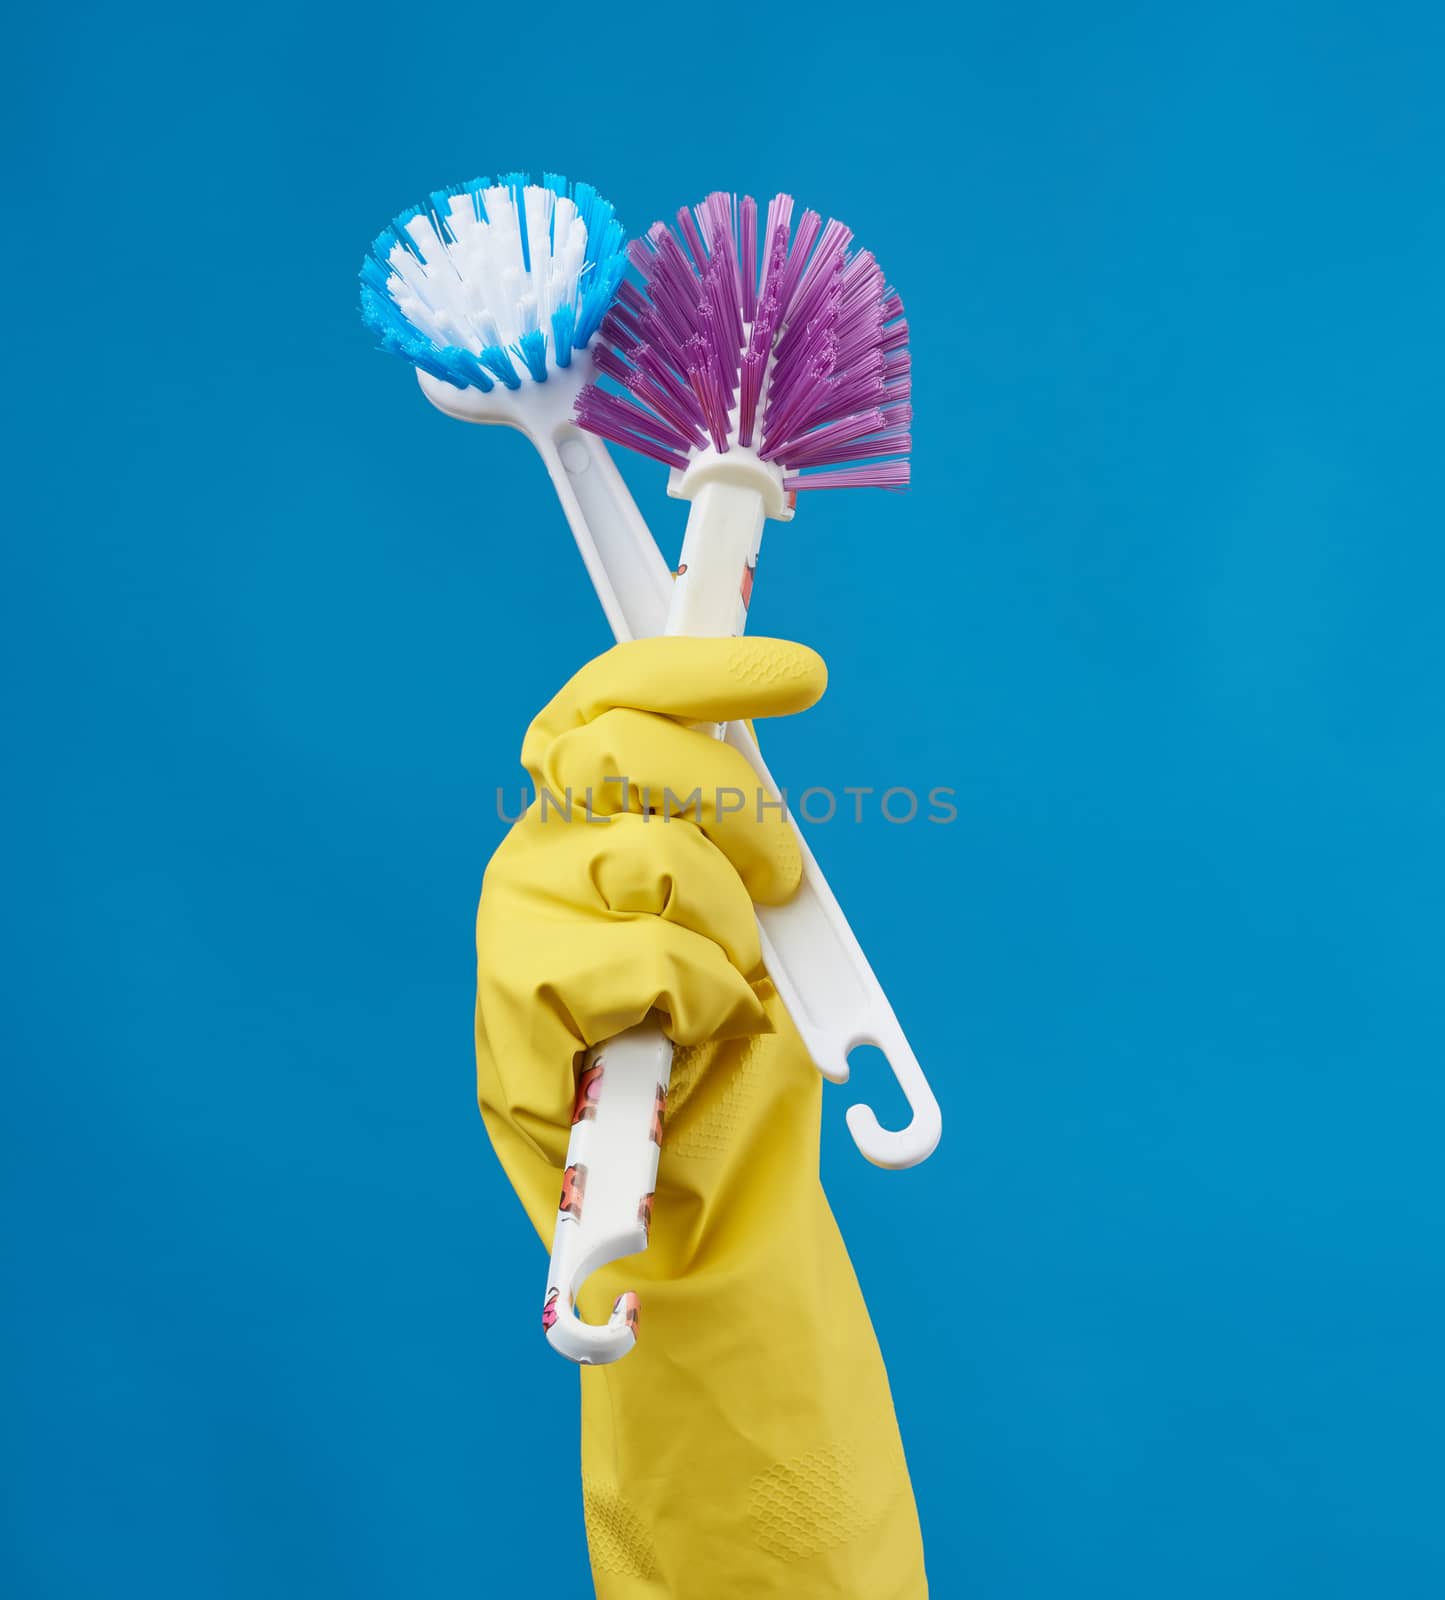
<point x="494" y="283"/>
<point x="791" y="347"/>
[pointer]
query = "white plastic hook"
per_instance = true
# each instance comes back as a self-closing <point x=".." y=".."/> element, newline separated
<point x="605" y="1211"/>
<point x="836" y="1001"/>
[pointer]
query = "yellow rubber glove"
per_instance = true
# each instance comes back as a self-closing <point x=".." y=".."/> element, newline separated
<point x="747" y="1446"/>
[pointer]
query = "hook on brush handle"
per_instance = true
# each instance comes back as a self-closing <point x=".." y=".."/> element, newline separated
<point x="605" y="1210"/>
<point x="835" y="1000"/>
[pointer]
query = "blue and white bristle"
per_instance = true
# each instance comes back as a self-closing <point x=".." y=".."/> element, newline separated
<point x="491" y="283"/>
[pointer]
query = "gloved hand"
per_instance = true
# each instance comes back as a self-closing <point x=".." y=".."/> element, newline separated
<point x="747" y="1446"/>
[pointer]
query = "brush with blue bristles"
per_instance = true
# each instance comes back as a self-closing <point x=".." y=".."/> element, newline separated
<point x="510" y="300"/>
<point x="495" y="277"/>
<point x="495" y="292"/>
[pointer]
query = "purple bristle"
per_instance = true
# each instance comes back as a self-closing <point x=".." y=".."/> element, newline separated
<point x="784" y="341"/>
<point x="723" y="323"/>
<point x="611" y="408"/>
<point x="723" y="245"/>
<point x="775" y="246"/>
<point x="800" y="384"/>
<point x="688" y="229"/>
<point x="662" y="394"/>
<point x="886" y="441"/>
<point x="630" y="298"/>
<point x="604" y="414"/>
<point x="750" y="386"/>
<point x="619" y="331"/>
<point x="823" y="273"/>
<point x="874" y="475"/>
<point x="609" y="362"/>
<point x="817" y="444"/>
<point x="712" y="401"/>
<point x="704" y="350"/>
<point x="659" y="337"/>
<point x="809" y="225"/>
<point x="749" y="257"/>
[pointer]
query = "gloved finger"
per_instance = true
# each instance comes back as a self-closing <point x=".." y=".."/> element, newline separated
<point x="618" y="969"/>
<point x="607" y="972"/>
<point x="694" y="680"/>
<point x="637" y="866"/>
<point x="633" y="761"/>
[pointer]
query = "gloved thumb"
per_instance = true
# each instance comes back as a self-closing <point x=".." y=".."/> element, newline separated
<point x="691" y="680"/>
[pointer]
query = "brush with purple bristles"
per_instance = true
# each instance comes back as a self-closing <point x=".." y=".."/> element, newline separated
<point x="754" y="369"/>
<point x="798" y="360"/>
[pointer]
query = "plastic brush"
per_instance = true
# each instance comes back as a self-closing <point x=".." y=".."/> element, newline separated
<point x="495" y="292"/>
<point x="792" y="375"/>
<point x="753" y="376"/>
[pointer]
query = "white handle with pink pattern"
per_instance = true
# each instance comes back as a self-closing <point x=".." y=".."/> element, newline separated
<point x="605" y="1210"/>
<point x="616" y="1129"/>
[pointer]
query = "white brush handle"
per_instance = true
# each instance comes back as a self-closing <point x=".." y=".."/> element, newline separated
<point x="812" y="954"/>
<point x="617" y="548"/>
<point x="607" y="1187"/>
<point x="611" y="1173"/>
<point x="835" y="1000"/>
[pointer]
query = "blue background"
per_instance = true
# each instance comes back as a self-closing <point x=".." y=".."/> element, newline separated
<point x="1165" y="1314"/>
